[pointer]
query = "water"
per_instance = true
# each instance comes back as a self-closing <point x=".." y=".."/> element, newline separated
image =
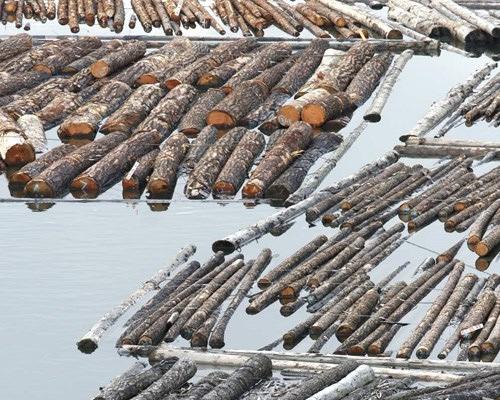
<point x="63" y="268"/>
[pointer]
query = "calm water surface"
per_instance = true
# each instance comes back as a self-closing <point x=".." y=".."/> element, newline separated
<point x="61" y="269"/>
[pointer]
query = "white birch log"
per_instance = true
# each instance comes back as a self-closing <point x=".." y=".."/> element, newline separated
<point x="90" y="341"/>
<point x="359" y="377"/>
<point x="439" y="110"/>
<point x="385" y="89"/>
<point x="246" y="235"/>
<point x="470" y="16"/>
<point x="425" y="25"/>
<point x="423" y="151"/>
<point x="329" y="162"/>
<point x="453" y="143"/>
<point x="33" y="129"/>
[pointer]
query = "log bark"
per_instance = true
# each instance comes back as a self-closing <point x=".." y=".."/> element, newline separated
<point x="127" y="54"/>
<point x="478" y="313"/>
<point x="220" y="75"/>
<point x="202" y="178"/>
<point x="474" y="351"/>
<point x="15" y="147"/>
<point x="237" y="167"/>
<point x="258" y="266"/>
<point x="55" y="180"/>
<point x="198" y="147"/>
<point x="113" y="166"/>
<point x="14" y="45"/>
<point x="265" y="111"/>
<point x="491" y="346"/>
<point x="119" y="16"/>
<point x="105" y="391"/>
<point x="164" y="177"/>
<point x="297" y="138"/>
<point x="196" y="118"/>
<point x="203" y="333"/>
<point x="14" y="83"/>
<point x="83" y="123"/>
<point x="142" y="15"/>
<point x="290" y="180"/>
<point x="135" y="181"/>
<point x="202" y="387"/>
<point x="87" y="60"/>
<point x="489" y="242"/>
<point x="134" y="110"/>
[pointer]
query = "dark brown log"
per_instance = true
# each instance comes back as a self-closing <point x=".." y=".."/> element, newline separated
<point x="83" y="123"/>
<point x="14" y="45"/>
<point x="196" y="118"/>
<point x="55" y="180"/>
<point x="15" y="147"/>
<point x="27" y="26"/>
<point x="291" y="262"/>
<point x="202" y="178"/>
<point x="296" y="139"/>
<point x="479" y="227"/>
<point x="491" y="346"/>
<point x="483" y="263"/>
<point x="238" y="165"/>
<point x="126" y="55"/>
<point x="220" y="75"/>
<point x="164" y="178"/>
<point x="134" y="110"/>
<point x="201" y="336"/>
<point x="91" y="57"/>
<point x="144" y="19"/>
<point x="259" y="265"/>
<point x="111" y="168"/>
<point x="202" y="387"/>
<point x="489" y="242"/>
<point x="135" y="181"/>
<point x="218" y="56"/>
<point x="35" y="168"/>
<point x="280" y="19"/>
<point x="90" y="11"/>
<point x="198" y="147"/>
<point x="244" y="378"/>
<point x="313" y="16"/>
<point x="289" y="181"/>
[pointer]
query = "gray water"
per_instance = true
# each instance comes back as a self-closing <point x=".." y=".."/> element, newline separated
<point x="61" y="269"/>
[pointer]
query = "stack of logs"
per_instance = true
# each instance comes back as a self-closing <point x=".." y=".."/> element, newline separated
<point x="17" y="10"/>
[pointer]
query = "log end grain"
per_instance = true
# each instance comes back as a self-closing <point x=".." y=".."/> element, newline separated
<point x="159" y="189"/>
<point x="84" y="187"/>
<point x="220" y="119"/>
<point x="39" y="189"/>
<point x="314" y="114"/>
<point x="78" y="131"/>
<point x="147" y="79"/>
<point x="394" y="34"/>
<point x="422" y="353"/>
<point x="43" y="68"/>
<point x="19" y="155"/>
<point x="481" y="249"/>
<point x="222" y="188"/>
<point x="263" y="283"/>
<point x="99" y="69"/>
<point x="288" y="114"/>
<point x="87" y="345"/>
<point x="482" y="263"/>
<point x="225" y="246"/>
<point x="252" y="191"/>
<point x="19" y="179"/>
<point x="472" y="242"/>
<point x="372" y="117"/>
<point x="172" y="83"/>
<point x="356" y="350"/>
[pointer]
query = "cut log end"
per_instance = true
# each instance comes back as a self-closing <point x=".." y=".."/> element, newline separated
<point x="19" y="179"/>
<point x="315" y="332"/>
<point x="252" y="191"/>
<point x="482" y="249"/>
<point x="220" y="120"/>
<point x="288" y="115"/>
<point x="209" y="81"/>
<point x="217" y="343"/>
<point x="263" y="283"/>
<point x="159" y="188"/>
<point x="314" y="115"/>
<point x="19" y="155"/>
<point x="99" y="69"/>
<point x="422" y="353"/>
<point x="130" y="185"/>
<point x="313" y="283"/>
<point x="224" y="188"/>
<point x="40" y="67"/>
<point x="87" y="346"/>
<point x="190" y="132"/>
<point x="39" y="188"/>
<point x="223" y="245"/>
<point x="78" y="130"/>
<point x="373" y="117"/>
<point x="472" y="242"/>
<point x="356" y="350"/>
<point x="84" y="187"/>
<point x="172" y="83"/>
<point x="482" y="264"/>
<point x="147" y="79"/>
<point x="374" y="349"/>
<point x="394" y="34"/>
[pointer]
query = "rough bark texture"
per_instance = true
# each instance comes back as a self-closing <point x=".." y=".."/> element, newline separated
<point x="196" y="118"/>
<point x="202" y="387"/>
<point x="125" y="55"/>
<point x="198" y="147"/>
<point x="220" y="75"/>
<point x="135" y="181"/>
<point x="265" y="111"/>
<point x="13" y="83"/>
<point x="14" y="45"/>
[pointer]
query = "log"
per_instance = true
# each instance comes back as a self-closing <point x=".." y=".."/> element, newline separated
<point x="297" y="138"/>
<point x="132" y="21"/>
<point x="134" y="110"/>
<point x="180" y="373"/>
<point x="89" y="342"/>
<point x="489" y="242"/>
<point x="119" y="16"/>
<point x="135" y="181"/>
<point x="478" y="313"/>
<point x="305" y="22"/>
<point x="258" y="266"/>
<point x="15" y="146"/>
<point x="360" y="377"/>
<point x="87" y="60"/>
<point x="55" y="180"/>
<point x="334" y="17"/>
<point x="200" y="337"/>
<point x="198" y="147"/>
<point x="289" y="181"/>
<point x="474" y="350"/>
<point x="127" y="54"/>
<point x="14" y="45"/>
<point x="244" y="378"/>
<point x="112" y="167"/>
<point x="202" y="178"/>
<point x="196" y="118"/>
<point x="237" y="167"/>
<point x="265" y="111"/>
<point x="13" y="83"/>
<point x="202" y="387"/>
<point x="491" y="346"/>
<point x="220" y="75"/>
<point x="142" y="14"/>
<point x="135" y="369"/>
<point x="373" y="114"/>
<point x="34" y="168"/>
<point x="164" y="177"/>
<point x="83" y="123"/>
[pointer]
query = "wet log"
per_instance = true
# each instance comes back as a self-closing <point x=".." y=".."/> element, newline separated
<point x="258" y="266"/>
<point x="297" y="138"/>
<point x="202" y="334"/>
<point x="127" y="54"/>
<point x="292" y="262"/>
<point x="83" y="123"/>
<point x="14" y="45"/>
<point x="143" y="16"/>
<point x="55" y="180"/>
<point x="164" y="177"/>
<point x="196" y="118"/>
<point x="34" y="168"/>
<point x="278" y="16"/>
<point x="202" y="387"/>
<point x="132" y="21"/>
<point x="427" y="322"/>
<point x="330" y="15"/>
<point x="489" y="242"/>
<point x="312" y="15"/>
<point x="478" y="313"/>
<point x="483" y="263"/>
<point x="218" y="56"/>
<point x="360" y="377"/>
<point x="198" y="147"/>
<point x="305" y="22"/>
<point x="289" y="181"/>
<point x="373" y="114"/>
<point x="320" y="381"/>
<point x="113" y="166"/>
<point x="474" y="350"/>
<point x="115" y="383"/>
<point x="134" y="110"/>
<point x="200" y="182"/>
<point x="135" y="181"/>
<point x="237" y="167"/>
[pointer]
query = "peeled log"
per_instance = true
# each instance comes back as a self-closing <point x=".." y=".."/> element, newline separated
<point x="134" y="110"/>
<point x="164" y="177"/>
<point x="55" y="180"/>
<point x="289" y="181"/>
<point x="111" y="168"/>
<point x="196" y="118"/>
<point x="125" y="55"/>
<point x="200" y="181"/>
<point x="239" y="164"/>
<point x="135" y="181"/>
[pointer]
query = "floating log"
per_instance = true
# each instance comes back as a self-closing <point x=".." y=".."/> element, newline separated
<point x="297" y="138"/>
<point x="198" y="147"/>
<point x="195" y="119"/>
<point x="237" y="167"/>
<point x="15" y="146"/>
<point x="478" y="313"/>
<point x="164" y="178"/>
<point x="55" y="180"/>
<point x="135" y="181"/>
<point x="259" y="265"/>
<point x="13" y="83"/>
<point x="113" y="166"/>
<point x="202" y="387"/>
<point x="474" y="350"/>
<point x="289" y="181"/>
<point x="220" y="75"/>
<point x="200" y="182"/>
<point x="491" y="346"/>
<point x="200" y="337"/>
<point x="373" y="114"/>
<point x="14" y="45"/>
<point x="83" y="123"/>
<point x="489" y="241"/>
<point x="90" y="58"/>
<point x="125" y="55"/>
